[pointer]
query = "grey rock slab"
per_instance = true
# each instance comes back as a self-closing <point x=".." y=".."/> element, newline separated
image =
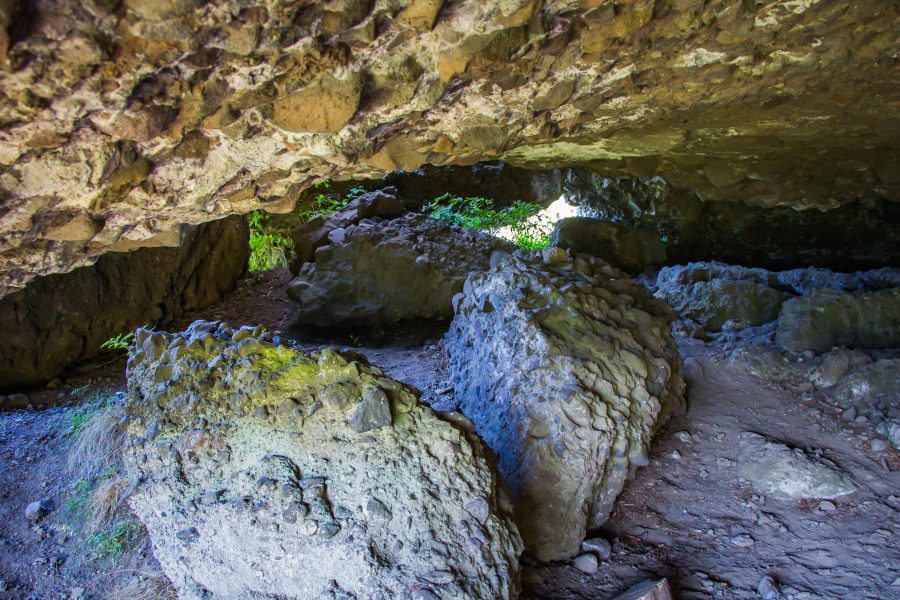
<point x="648" y="590"/>
<point x="785" y="473"/>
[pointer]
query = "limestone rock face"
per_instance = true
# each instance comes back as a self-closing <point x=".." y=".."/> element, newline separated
<point x="266" y="472"/>
<point x="632" y="250"/>
<point x="381" y="272"/>
<point x="566" y="367"/>
<point x="122" y="121"/>
<point x="827" y="318"/>
<point x="61" y="319"/>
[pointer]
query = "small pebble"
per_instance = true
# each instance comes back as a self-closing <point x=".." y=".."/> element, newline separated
<point x="742" y="541"/>
<point x="587" y="563"/>
<point x="827" y="505"/>
<point x="878" y="445"/>
<point x="767" y="589"/>
<point x="598" y="546"/>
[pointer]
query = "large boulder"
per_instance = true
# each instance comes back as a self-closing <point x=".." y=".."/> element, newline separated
<point x="826" y="318"/>
<point x="567" y="368"/>
<point x="313" y="234"/>
<point x="626" y="248"/>
<point x="713" y="293"/>
<point x="266" y="472"/>
<point x="61" y="319"/>
<point x="381" y="272"/>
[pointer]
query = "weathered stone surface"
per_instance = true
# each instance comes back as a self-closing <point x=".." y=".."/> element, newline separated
<point x="647" y="590"/>
<point x="313" y="234"/>
<point x="253" y="482"/>
<point x="632" y="250"/>
<point x="381" y="272"/>
<point x="712" y="293"/>
<point x="565" y="367"/>
<point x="864" y="234"/>
<point x="827" y="318"/>
<point x="783" y="102"/>
<point x="789" y="473"/>
<point x="61" y="319"/>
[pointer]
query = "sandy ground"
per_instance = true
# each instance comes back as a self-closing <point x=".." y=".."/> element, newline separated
<point x="680" y="517"/>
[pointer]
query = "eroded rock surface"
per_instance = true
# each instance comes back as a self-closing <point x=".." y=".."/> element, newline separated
<point x="121" y="121"/>
<point x="265" y="472"/>
<point x="566" y="367"/>
<point x="61" y="319"/>
<point x="632" y="250"/>
<point x="816" y="308"/>
<point x="381" y="272"/>
<point x="711" y="294"/>
<point x="785" y="473"/>
<point x="827" y="318"/>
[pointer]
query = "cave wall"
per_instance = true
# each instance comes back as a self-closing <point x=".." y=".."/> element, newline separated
<point x="863" y="234"/>
<point x="121" y="120"/>
<point x="61" y="319"/>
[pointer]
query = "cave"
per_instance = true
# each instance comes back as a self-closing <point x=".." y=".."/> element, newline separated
<point x="449" y="299"/>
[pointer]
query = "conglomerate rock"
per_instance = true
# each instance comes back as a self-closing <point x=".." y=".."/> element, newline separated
<point x="61" y="319"/>
<point x="384" y="271"/>
<point x="266" y="472"/>
<point x="566" y="367"/>
<point x="120" y="121"/>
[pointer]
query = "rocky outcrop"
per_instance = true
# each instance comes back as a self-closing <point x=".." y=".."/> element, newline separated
<point x="566" y="367"/>
<point x="266" y="472"/>
<point x="712" y="294"/>
<point x="381" y="272"/>
<point x="632" y="250"/>
<point x="863" y="234"/>
<point x="314" y="233"/>
<point x="122" y="120"/>
<point x="827" y="318"/>
<point x="816" y="308"/>
<point x="61" y="319"/>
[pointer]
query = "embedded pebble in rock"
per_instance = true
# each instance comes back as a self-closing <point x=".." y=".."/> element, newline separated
<point x="37" y="510"/>
<point x="597" y="546"/>
<point x="878" y="445"/>
<point x="276" y="473"/>
<point x="767" y="589"/>
<point x="648" y="590"/>
<point x="586" y="563"/>
<point x="786" y="473"/>
<point x="381" y="272"/>
<point x="566" y="367"/>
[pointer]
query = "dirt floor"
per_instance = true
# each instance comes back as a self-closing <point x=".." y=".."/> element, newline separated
<point x="687" y="516"/>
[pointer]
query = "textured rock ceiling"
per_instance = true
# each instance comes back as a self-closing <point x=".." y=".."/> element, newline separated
<point x="121" y="120"/>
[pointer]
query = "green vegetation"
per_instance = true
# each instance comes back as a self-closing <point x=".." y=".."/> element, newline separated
<point x="123" y="341"/>
<point x="327" y="204"/>
<point x="519" y="222"/>
<point x="120" y="342"/>
<point x="268" y="249"/>
<point x="118" y="539"/>
<point x="271" y="246"/>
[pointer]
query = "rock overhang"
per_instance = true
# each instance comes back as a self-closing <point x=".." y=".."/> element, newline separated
<point x="121" y="122"/>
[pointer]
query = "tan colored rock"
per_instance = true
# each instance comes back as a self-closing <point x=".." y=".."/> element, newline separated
<point x="771" y="103"/>
<point x="323" y="107"/>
